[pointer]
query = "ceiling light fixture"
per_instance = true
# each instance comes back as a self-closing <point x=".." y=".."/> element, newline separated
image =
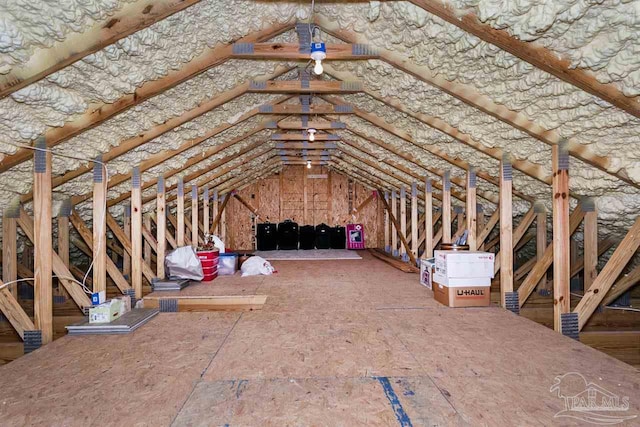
<point x="312" y="134"/>
<point x="318" y="53"/>
<point x="308" y="164"/>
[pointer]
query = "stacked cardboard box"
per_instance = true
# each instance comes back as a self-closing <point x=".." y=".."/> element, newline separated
<point x="463" y="278"/>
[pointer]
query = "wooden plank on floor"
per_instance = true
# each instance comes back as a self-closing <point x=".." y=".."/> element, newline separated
<point x="210" y="303"/>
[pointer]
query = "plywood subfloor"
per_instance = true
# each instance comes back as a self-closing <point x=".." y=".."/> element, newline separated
<point x="337" y="343"/>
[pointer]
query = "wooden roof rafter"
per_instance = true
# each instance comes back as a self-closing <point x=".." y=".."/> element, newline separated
<point x="124" y="22"/>
<point x="533" y="53"/>
<point x="473" y="98"/>
<point x="97" y="114"/>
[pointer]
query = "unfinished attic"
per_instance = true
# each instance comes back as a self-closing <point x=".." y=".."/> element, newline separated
<point x="243" y="212"/>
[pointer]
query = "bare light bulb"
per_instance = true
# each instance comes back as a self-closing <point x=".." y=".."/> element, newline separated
<point x="312" y="136"/>
<point x="308" y="164"/>
<point x="318" y="67"/>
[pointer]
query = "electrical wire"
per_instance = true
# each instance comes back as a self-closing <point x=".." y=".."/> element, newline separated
<point x="101" y="233"/>
<point x="622" y="308"/>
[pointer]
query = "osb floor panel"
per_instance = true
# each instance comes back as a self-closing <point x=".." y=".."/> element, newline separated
<point x="338" y="343"/>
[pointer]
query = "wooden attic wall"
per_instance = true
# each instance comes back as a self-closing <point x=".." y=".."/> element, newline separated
<point x="282" y="196"/>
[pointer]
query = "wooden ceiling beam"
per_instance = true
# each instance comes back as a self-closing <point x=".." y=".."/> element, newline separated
<point x="311" y="124"/>
<point x="306" y="146"/>
<point x="473" y="98"/>
<point x="98" y="113"/>
<point x="124" y="22"/>
<point x="533" y="53"/>
<point x="311" y="110"/>
<point x="302" y="136"/>
<point x="299" y="86"/>
<point x="291" y="51"/>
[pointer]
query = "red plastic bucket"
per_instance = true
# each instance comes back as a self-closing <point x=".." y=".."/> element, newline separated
<point x="209" y="263"/>
<point x="209" y="277"/>
<point x="210" y="254"/>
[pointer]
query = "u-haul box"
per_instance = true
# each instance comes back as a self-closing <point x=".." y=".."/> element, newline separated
<point x="462" y="296"/>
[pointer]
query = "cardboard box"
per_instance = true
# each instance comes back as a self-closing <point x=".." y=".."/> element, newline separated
<point x="464" y="264"/>
<point x="462" y="296"/>
<point x="461" y="281"/>
<point x="106" y="312"/>
<point x="426" y="272"/>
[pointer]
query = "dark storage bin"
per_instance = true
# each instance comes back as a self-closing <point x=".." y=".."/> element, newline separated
<point x="338" y="238"/>
<point x="307" y="237"/>
<point x="288" y="235"/>
<point x="323" y="236"/>
<point x="267" y="237"/>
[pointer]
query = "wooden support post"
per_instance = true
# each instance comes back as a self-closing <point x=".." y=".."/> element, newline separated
<point x="161" y="228"/>
<point x="541" y="238"/>
<point x="136" y="233"/>
<point x="214" y="212"/>
<point x="397" y="225"/>
<point x="480" y="220"/>
<point x="205" y="211"/>
<point x="180" y="214"/>
<point x="223" y="222"/>
<point x="126" y="224"/>
<point x="460" y="221"/>
<point x="63" y="238"/>
<point x="472" y="227"/>
<point x="414" y="219"/>
<point x="99" y="227"/>
<point x="194" y="216"/>
<point x="42" y="244"/>
<point x="506" y="229"/>
<point x="446" y="207"/>
<point x="403" y="221"/>
<point x="10" y="249"/>
<point x="599" y="288"/>
<point x="394" y="229"/>
<point x="561" y="234"/>
<point x="590" y="242"/>
<point x="428" y="219"/>
<point x="146" y="220"/>
<point x="387" y="226"/>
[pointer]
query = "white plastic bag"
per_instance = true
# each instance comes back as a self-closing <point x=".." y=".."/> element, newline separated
<point x="183" y="263"/>
<point x="219" y="244"/>
<point x="256" y="265"/>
